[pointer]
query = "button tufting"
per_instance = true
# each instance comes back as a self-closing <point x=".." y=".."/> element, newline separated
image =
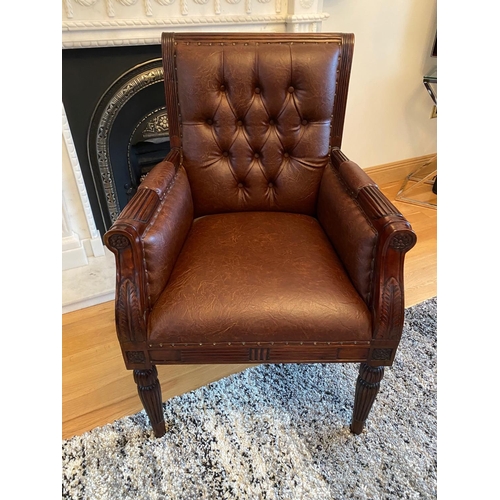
<point x="209" y="121"/>
<point x="225" y="153"/>
<point x="290" y="89"/>
<point x="257" y="90"/>
<point x="223" y="87"/>
<point x="240" y="123"/>
<point x="240" y="184"/>
<point x="304" y="122"/>
<point x="286" y="155"/>
<point x="271" y="122"/>
<point x="256" y="155"/>
<point x="270" y="184"/>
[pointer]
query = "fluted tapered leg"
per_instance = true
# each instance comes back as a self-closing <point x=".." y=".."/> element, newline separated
<point x="367" y="388"/>
<point x="149" y="390"/>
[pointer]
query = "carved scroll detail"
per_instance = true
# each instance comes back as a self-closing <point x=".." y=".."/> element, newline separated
<point x="391" y="310"/>
<point x="130" y="324"/>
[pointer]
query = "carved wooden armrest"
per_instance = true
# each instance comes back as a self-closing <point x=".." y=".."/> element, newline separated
<point x="143" y="243"/>
<point x="394" y="238"/>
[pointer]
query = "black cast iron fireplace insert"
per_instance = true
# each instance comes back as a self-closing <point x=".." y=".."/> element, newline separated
<point x="114" y="101"/>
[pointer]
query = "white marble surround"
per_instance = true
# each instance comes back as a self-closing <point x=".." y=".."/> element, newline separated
<point x="88" y="275"/>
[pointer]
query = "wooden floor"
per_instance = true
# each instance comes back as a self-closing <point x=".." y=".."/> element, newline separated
<point x="97" y="389"/>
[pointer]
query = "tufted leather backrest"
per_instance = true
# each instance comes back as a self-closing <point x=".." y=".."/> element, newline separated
<point x="255" y="115"/>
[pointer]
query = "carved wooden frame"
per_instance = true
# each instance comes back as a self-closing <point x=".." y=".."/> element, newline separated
<point x="394" y="238"/>
<point x="386" y="299"/>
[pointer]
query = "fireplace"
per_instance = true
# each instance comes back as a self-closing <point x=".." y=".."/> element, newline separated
<point x="114" y="101"/>
<point x="114" y="124"/>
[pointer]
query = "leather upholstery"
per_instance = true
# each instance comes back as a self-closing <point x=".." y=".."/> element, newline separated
<point x="256" y="276"/>
<point x="255" y="123"/>
<point x="349" y="230"/>
<point x="166" y="232"/>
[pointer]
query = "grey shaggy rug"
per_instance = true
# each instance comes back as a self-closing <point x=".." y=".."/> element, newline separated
<point x="276" y="432"/>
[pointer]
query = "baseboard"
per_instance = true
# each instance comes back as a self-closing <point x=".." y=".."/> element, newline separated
<point x="398" y="170"/>
<point x="88" y="302"/>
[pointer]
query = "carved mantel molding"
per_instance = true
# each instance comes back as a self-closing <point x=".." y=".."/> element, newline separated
<point x="108" y="23"/>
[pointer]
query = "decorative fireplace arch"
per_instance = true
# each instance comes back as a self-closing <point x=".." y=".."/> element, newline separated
<point x="143" y="132"/>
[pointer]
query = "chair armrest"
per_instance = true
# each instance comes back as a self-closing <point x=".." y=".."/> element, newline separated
<point x="146" y="239"/>
<point x="370" y="236"/>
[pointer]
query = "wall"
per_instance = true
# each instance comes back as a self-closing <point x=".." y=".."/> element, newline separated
<point x="388" y="109"/>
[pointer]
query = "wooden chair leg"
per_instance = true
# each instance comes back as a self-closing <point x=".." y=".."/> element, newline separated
<point x="149" y="390"/>
<point x="367" y="388"/>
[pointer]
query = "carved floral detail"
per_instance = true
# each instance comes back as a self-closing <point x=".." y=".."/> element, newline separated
<point x="118" y="241"/>
<point x="158" y="125"/>
<point x="402" y="241"/>
<point x="381" y="354"/>
<point x="136" y="356"/>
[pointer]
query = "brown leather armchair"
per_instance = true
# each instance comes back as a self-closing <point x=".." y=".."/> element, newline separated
<point x="256" y="239"/>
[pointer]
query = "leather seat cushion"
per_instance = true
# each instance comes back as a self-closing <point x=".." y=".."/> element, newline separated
<point x="258" y="276"/>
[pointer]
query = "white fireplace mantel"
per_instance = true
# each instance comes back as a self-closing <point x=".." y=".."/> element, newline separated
<point x="111" y="23"/>
<point x="104" y="23"/>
